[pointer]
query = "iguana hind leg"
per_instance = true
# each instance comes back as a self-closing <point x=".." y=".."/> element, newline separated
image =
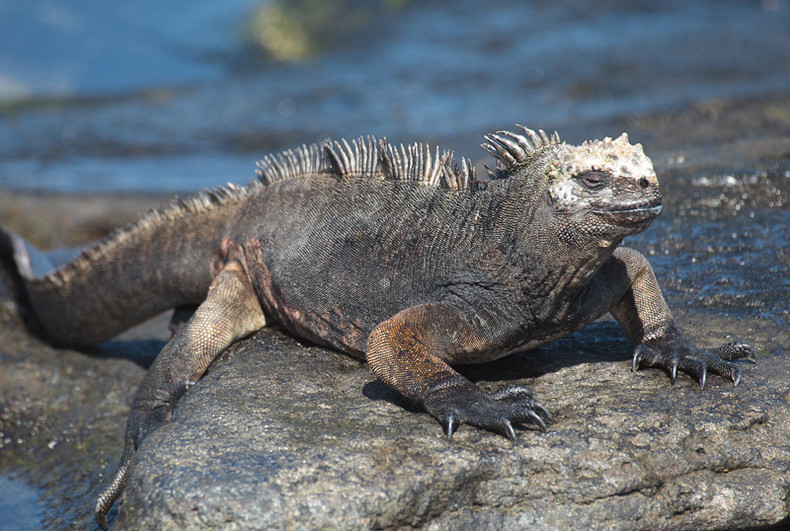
<point x="231" y="311"/>
<point x="410" y="352"/>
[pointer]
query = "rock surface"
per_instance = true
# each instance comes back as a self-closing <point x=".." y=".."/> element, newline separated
<point x="258" y="444"/>
<point x="285" y="435"/>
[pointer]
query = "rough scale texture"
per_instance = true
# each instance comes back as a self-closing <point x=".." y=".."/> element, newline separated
<point x="396" y="255"/>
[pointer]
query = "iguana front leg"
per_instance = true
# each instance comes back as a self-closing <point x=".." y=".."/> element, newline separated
<point x="644" y="314"/>
<point x="410" y="352"/>
<point x="231" y="311"/>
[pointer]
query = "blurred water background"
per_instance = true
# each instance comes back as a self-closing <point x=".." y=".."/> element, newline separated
<point x="156" y="96"/>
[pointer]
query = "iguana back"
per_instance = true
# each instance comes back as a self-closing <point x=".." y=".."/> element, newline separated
<point x="315" y="212"/>
<point x="357" y="236"/>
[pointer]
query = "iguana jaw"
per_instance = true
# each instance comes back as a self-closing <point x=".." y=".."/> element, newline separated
<point x="632" y="214"/>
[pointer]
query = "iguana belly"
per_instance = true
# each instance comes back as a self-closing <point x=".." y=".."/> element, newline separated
<point x="338" y="327"/>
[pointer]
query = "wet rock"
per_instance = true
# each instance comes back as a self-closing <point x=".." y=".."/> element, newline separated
<point x="62" y="415"/>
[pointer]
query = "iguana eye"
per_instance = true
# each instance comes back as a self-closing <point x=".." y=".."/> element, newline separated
<point x="593" y="180"/>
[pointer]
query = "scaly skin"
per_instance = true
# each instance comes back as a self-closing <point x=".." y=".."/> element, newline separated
<point x="395" y="255"/>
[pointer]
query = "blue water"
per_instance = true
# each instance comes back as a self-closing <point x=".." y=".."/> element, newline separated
<point x="20" y="507"/>
<point x="157" y="96"/>
<point x="97" y="47"/>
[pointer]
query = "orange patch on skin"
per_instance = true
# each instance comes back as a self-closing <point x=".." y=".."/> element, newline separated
<point x="231" y="256"/>
<point x="398" y="354"/>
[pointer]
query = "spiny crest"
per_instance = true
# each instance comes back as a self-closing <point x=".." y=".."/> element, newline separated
<point x="291" y="164"/>
<point x="371" y="158"/>
<point x="513" y="149"/>
<point x="175" y="210"/>
<point x="360" y="158"/>
<point x="415" y="163"/>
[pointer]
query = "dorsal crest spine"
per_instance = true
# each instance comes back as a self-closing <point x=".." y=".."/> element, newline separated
<point x="371" y="158"/>
<point x="513" y="149"/>
<point x="174" y="210"/>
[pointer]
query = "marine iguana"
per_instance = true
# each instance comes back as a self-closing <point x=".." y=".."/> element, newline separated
<point x="398" y="255"/>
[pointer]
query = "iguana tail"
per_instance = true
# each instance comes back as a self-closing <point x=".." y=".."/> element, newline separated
<point x="163" y="260"/>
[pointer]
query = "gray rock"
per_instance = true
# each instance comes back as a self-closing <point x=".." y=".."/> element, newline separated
<point x="62" y="414"/>
<point x="283" y="436"/>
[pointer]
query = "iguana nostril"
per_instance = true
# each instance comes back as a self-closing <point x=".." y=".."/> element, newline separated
<point x="643" y="182"/>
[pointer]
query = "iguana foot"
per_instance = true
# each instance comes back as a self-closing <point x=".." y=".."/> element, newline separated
<point x="496" y="411"/>
<point x="679" y="353"/>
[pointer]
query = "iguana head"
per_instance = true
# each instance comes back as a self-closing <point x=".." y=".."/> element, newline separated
<point x="606" y="189"/>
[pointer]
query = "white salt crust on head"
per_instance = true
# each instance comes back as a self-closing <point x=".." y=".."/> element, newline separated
<point x="615" y="156"/>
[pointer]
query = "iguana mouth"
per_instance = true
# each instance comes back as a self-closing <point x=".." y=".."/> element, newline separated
<point x="630" y="214"/>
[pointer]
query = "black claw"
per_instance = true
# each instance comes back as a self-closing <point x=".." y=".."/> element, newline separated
<point x="736" y="376"/>
<point x="101" y="520"/>
<point x="537" y="420"/>
<point x="751" y="354"/>
<point x="509" y="431"/>
<point x="451" y="424"/>
<point x="637" y="358"/>
<point x="543" y="412"/>
<point x="702" y="377"/>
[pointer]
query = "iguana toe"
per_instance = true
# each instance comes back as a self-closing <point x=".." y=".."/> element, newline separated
<point x="736" y="350"/>
<point x="510" y="393"/>
<point x="695" y="367"/>
<point x="531" y="408"/>
<point x="679" y="353"/>
<point x="496" y="411"/>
